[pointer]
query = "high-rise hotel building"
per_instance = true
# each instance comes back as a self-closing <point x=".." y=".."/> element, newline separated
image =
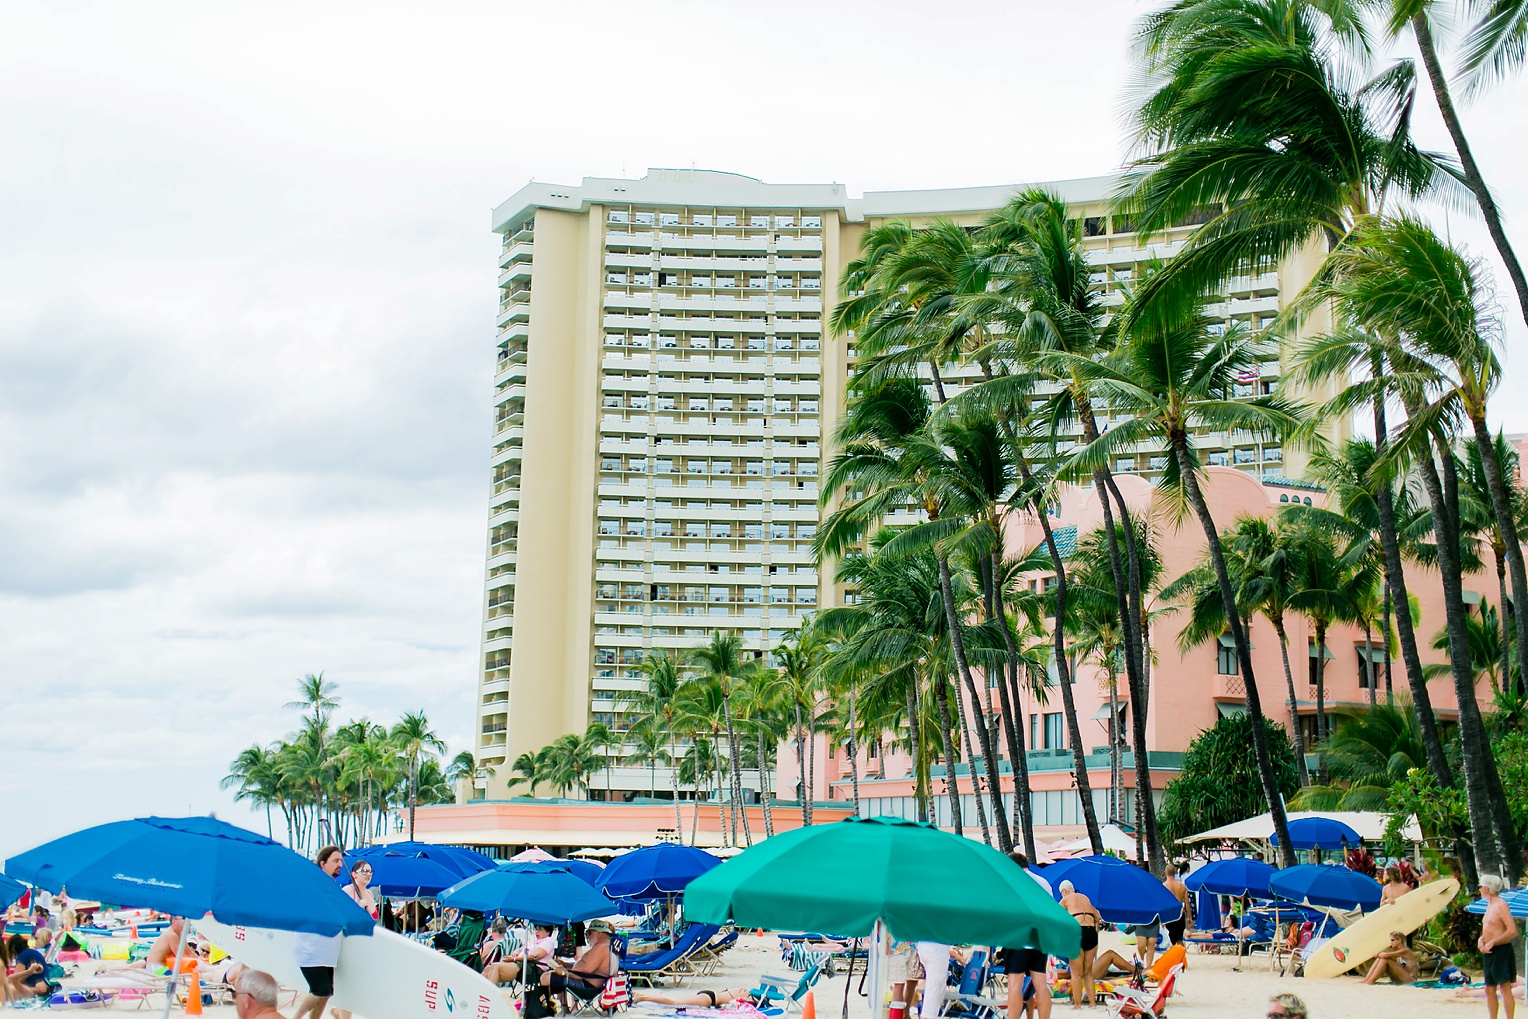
<point x="665" y="391"/>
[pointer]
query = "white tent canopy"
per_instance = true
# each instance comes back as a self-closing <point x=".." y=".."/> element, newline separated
<point x="1114" y="838"/>
<point x="1370" y="825"/>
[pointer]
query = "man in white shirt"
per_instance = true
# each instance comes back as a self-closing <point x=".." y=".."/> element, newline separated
<point x="318" y="954"/>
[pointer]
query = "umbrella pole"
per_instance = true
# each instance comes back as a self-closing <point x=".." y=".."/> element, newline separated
<point x="849" y="979"/>
<point x="180" y="951"/>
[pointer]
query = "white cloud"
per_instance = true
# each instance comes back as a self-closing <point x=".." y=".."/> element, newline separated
<point x="246" y="314"/>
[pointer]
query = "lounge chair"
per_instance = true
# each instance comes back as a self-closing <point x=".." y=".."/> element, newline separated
<point x="670" y="963"/>
<point x="1129" y="1003"/>
<point x="708" y="956"/>
<point x="784" y="992"/>
<point x="968" y="999"/>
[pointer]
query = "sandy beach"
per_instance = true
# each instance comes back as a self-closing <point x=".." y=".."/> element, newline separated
<point x="1209" y="989"/>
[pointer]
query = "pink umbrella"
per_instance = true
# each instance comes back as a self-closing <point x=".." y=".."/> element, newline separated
<point x="535" y="854"/>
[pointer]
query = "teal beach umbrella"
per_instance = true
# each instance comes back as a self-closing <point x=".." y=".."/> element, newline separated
<point x="922" y="883"/>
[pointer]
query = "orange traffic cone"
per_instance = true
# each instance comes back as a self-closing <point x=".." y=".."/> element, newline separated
<point x="133" y="930"/>
<point x="194" y="996"/>
<point x="759" y="932"/>
<point x="809" y="1006"/>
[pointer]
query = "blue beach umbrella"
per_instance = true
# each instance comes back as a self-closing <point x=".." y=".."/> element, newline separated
<point x="539" y="892"/>
<point x="403" y="876"/>
<point x="1325" y="884"/>
<point x="583" y="869"/>
<point x="192" y="866"/>
<point x="10" y="891"/>
<point x="465" y="862"/>
<point x="655" y="872"/>
<point x="1319" y="833"/>
<point x="1237" y="875"/>
<point x="1122" y="892"/>
<point x="1517" y="903"/>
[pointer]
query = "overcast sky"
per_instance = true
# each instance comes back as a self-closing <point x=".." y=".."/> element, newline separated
<point x="247" y="299"/>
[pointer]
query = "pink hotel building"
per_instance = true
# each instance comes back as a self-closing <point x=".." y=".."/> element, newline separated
<point x="1188" y="692"/>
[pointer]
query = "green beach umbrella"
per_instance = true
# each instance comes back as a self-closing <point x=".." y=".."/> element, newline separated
<point x="923" y="883"/>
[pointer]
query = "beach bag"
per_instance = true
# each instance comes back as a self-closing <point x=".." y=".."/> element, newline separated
<point x="1453" y="975"/>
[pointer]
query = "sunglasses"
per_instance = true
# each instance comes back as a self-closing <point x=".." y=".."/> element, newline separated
<point x="1280" y="1014"/>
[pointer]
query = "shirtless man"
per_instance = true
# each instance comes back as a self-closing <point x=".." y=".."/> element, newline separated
<point x="161" y="955"/>
<point x="1497" y="932"/>
<point x="1174" y="883"/>
<point x="1398" y="961"/>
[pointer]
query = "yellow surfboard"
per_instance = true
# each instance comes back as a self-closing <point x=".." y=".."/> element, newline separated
<point x="1368" y="937"/>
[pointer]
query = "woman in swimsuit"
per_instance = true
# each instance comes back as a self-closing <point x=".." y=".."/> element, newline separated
<point x="700" y="999"/>
<point x="1398" y="961"/>
<point x="1087" y="915"/>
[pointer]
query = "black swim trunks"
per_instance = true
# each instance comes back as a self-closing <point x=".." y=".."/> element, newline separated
<point x="1500" y="966"/>
<point x="1024" y="960"/>
<point x="320" y="980"/>
<point x="1089" y="938"/>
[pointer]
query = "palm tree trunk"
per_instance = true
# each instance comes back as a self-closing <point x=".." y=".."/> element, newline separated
<point x="951" y="779"/>
<point x="811" y="763"/>
<point x="1116" y="773"/>
<point x="413" y="791"/>
<point x="1501" y="601"/>
<point x="694" y="809"/>
<point x="674" y="785"/>
<point x="1271" y="793"/>
<point x="853" y="760"/>
<point x="1064" y="672"/>
<point x="1294" y="704"/>
<point x="769" y="821"/>
<point x="806" y="817"/>
<point x="1010" y="716"/>
<point x="1471" y="733"/>
<point x="736" y="770"/>
<point x="958" y="645"/>
<point x="1389" y="680"/>
<point x="1395" y="582"/>
<point x="920" y="791"/>
<point x="976" y="797"/>
<point x="1369" y="665"/>
<point x="1321" y="727"/>
<point x="1506" y="527"/>
<point x="1126" y="581"/>
<point x="1472" y="176"/>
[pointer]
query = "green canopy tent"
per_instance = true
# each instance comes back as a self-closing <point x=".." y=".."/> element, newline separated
<point x="856" y="876"/>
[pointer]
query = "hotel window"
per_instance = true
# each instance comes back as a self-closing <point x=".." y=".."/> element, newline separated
<point x="1220" y="458"/>
<point x="806" y="595"/>
<point x="1246" y="456"/>
<point x="1124" y="466"/>
<point x="812" y="222"/>
<point x="758" y="221"/>
<point x="726" y="219"/>
<point x="726" y="281"/>
<point x="756" y="282"/>
<point x="668" y="219"/>
<point x="617" y="216"/>
<point x="811" y="283"/>
<point x="1225" y="656"/>
<point x="1055" y="731"/>
<point x="644" y="219"/>
<point x="701" y="219"/>
<point x="1272" y="455"/>
<point x="784" y="221"/>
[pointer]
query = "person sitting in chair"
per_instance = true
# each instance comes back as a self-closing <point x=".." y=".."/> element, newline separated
<point x="543" y="948"/>
<point x="585" y="975"/>
<point x="1398" y="961"/>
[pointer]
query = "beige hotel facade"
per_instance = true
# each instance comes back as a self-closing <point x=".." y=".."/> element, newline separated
<point x="665" y="390"/>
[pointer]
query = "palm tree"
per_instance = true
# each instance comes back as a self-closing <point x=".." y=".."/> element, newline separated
<point x="798" y="685"/>
<point x="758" y="715"/>
<point x="528" y="771"/>
<point x="664" y="673"/>
<point x="891" y="455"/>
<point x="572" y="759"/>
<point x="722" y="664"/>
<point x="252" y="772"/>
<point x="1265" y="567"/>
<point x="1369" y="751"/>
<point x="1172" y="379"/>
<point x="698" y="768"/>
<point x="1482" y="635"/>
<point x="415" y="740"/>
<point x="648" y="745"/>
<point x="463" y="765"/>
<point x="1494" y="46"/>
<point x="1396" y="280"/>
<point x="1477" y="521"/>
<point x="1250" y="123"/>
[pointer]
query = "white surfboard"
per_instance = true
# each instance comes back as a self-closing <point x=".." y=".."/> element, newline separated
<point x="385" y="976"/>
<point x="1356" y="945"/>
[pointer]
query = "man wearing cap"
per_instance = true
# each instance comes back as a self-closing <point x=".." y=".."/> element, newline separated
<point x="586" y="974"/>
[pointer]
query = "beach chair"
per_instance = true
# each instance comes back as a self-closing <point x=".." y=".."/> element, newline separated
<point x="1129" y="1003"/>
<point x="784" y="992"/>
<point x="469" y="936"/>
<point x="708" y="956"/>
<point x="968" y="999"/>
<point x="616" y="995"/>
<point x="670" y="963"/>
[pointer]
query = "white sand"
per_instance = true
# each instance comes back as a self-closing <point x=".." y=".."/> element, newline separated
<point x="1207" y="989"/>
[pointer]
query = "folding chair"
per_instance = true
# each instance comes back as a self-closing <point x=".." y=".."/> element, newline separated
<point x="967" y="999"/>
<point x="1129" y="1003"/>
<point x="783" y="992"/>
